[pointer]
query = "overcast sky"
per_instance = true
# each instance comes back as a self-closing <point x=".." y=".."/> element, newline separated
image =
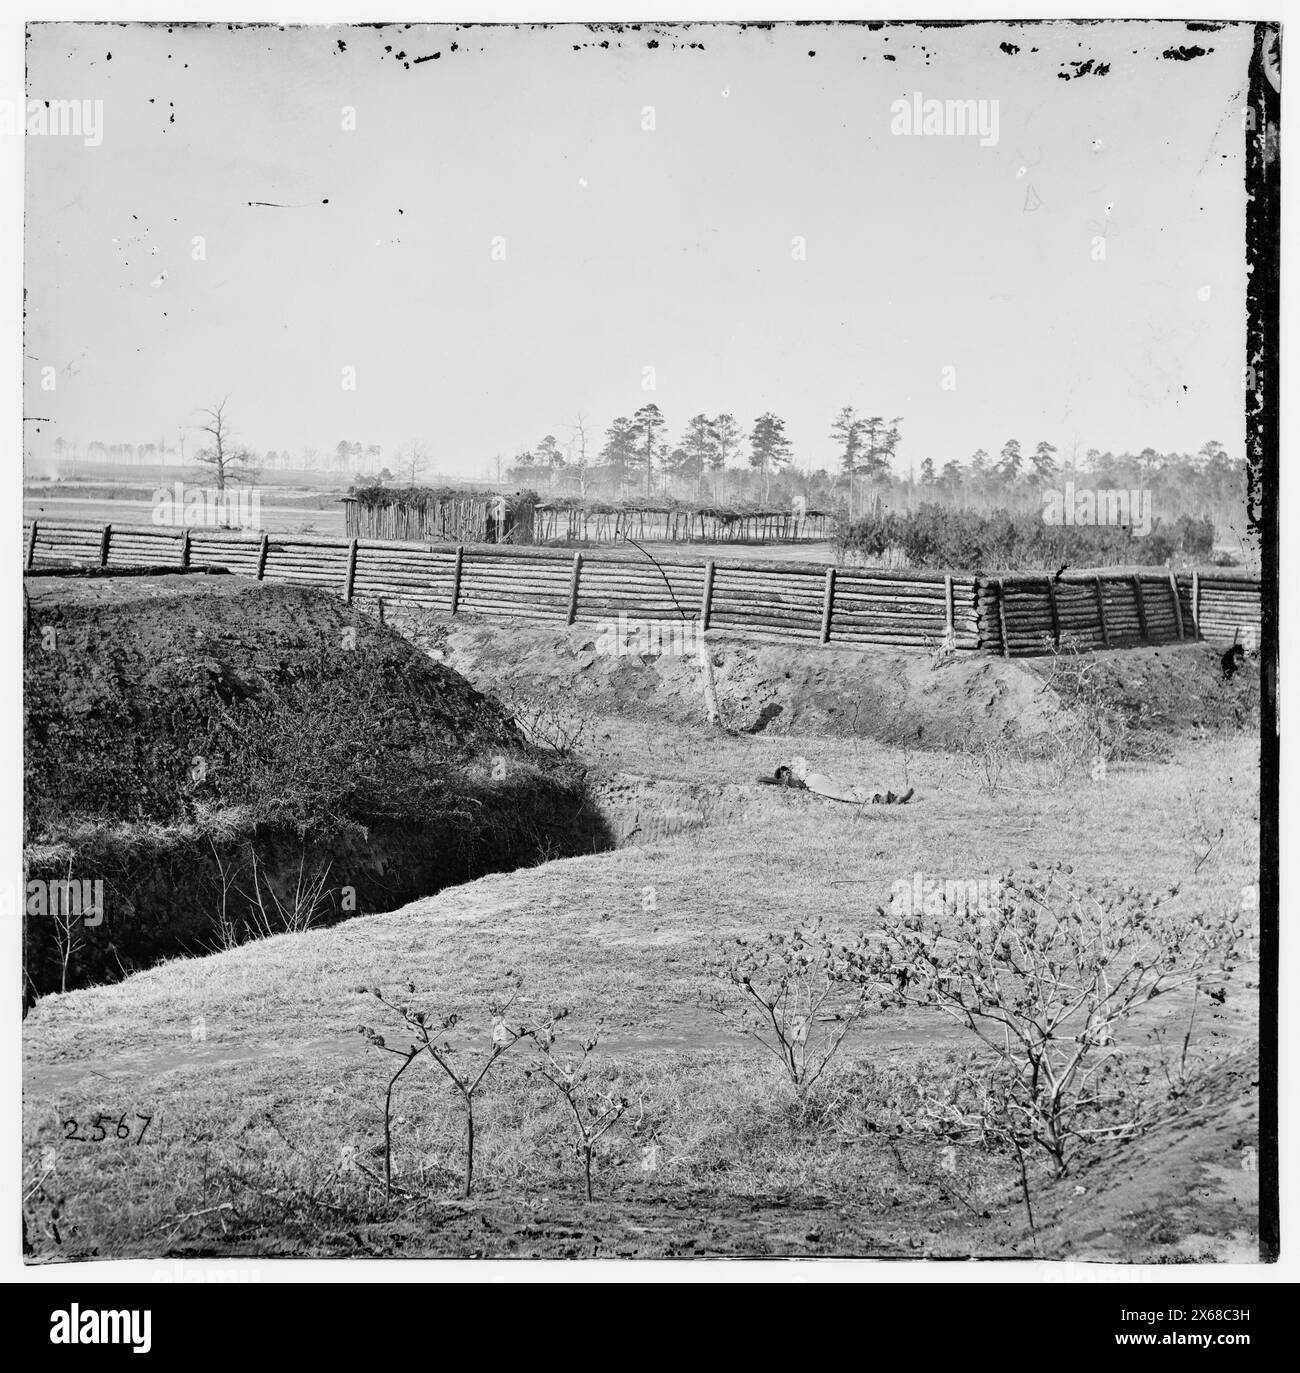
<point x="627" y="247"/>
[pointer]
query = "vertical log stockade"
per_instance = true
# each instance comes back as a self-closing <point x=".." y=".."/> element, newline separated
<point x="1012" y="614"/>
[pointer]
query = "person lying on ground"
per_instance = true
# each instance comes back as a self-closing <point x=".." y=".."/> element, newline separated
<point x="798" y="775"/>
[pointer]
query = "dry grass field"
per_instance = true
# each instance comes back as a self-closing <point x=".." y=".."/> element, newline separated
<point x="265" y="1106"/>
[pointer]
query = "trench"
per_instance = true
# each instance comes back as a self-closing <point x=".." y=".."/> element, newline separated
<point x="178" y="894"/>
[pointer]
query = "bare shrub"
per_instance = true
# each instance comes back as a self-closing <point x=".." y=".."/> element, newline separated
<point x="270" y="913"/>
<point x="546" y="725"/>
<point x="66" y="918"/>
<point x="1044" y="983"/>
<point x="990" y="757"/>
<point x="593" y="1112"/>
<point x="432" y="1036"/>
<point x="1088" y="729"/>
<point x="798" y="995"/>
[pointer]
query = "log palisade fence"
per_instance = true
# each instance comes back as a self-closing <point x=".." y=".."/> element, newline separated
<point x="1014" y="615"/>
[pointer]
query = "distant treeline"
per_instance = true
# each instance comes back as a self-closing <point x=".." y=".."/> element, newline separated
<point x="936" y="536"/>
<point x="721" y="463"/>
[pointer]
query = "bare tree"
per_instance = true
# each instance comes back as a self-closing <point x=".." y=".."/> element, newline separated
<point x="65" y="909"/>
<point x="229" y="461"/>
<point x="594" y="1112"/>
<point x="578" y="450"/>
<point x="410" y="461"/>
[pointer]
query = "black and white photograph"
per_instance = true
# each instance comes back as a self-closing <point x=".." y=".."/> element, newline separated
<point x="646" y="640"/>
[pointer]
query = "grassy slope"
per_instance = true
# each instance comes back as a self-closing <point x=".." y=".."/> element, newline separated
<point x="280" y="1060"/>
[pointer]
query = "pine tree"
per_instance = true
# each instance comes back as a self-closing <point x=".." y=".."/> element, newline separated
<point x="649" y="423"/>
<point x="619" y="452"/>
<point x="698" y="446"/>
<point x="1010" y="461"/>
<point x="769" y="447"/>
<point x="846" y="430"/>
<point x="727" y="442"/>
<point x="1043" y="460"/>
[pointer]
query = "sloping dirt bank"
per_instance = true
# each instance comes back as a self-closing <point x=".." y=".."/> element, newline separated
<point x="893" y="697"/>
<point x="212" y="758"/>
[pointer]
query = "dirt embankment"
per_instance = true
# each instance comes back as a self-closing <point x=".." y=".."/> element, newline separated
<point x="228" y="758"/>
<point x="225" y="756"/>
<point x="893" y="697"/>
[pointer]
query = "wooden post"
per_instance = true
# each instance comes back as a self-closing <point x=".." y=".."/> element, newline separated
<point x="455" y="577"/>
<point x="104" y="539"/>
<point x="31" y="544"/>
<point x="1101" y="613"/>
<point x="352" y="571"/>
<point x="706" y="601"/>
<point x="185" y="549"/>
<point x="1002" y="619"/>
<point x="828" y="604"/>
<point x="1056" y="614"/>
<point x="1196" y="594"/>
<point x="573" y="590"/>
<point x="949" y="621"/>
<point x="261" y="555"/>
<point x="1141" y="608"/>
<point x="1178" y="605"/>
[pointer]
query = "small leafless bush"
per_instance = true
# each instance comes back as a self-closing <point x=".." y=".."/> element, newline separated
<point x="66" y="916"/>
<point x="1203" y="833"/>
<point x="271" y="913"/>
<point x="1088" y="730"/>
<point x="544" y="724"/>
<point x="1044" y="983"/>
<point x="592" y="1111"/>
<point x="798" y="995"/>
<point x="431" y="1035"/>
<point x="990" y="756"/>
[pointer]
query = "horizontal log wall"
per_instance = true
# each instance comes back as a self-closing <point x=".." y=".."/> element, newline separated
<point x="1015" y="615"/>
<point x="1023" y="614"/>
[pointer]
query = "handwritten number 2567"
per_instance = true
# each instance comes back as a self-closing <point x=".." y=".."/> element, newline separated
<point x="99" y="1131"/>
